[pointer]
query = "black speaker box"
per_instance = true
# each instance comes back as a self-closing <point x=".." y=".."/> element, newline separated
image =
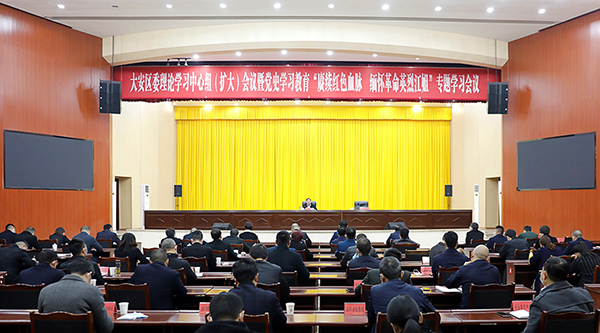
<point x="222" y="226"/>
<point x="110" y="97"/>
<point x="178" y="191"/>
<point x="393" y="225"/>
<point x="498" y="98"/>
<point x="448" y="190"/>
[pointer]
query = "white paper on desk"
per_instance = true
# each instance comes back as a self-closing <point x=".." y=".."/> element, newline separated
<point x="133" y="316"/>
<point x="520" y="314"/>
<point x="448" y="290"/>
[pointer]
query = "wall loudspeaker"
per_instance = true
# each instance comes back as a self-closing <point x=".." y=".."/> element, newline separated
<point x="498" y="98"/>
<point x="448" y="190"/>
<point x="110" y="97"/>
<point x="178" y="191"/>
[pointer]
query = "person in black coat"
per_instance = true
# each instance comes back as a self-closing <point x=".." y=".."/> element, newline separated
<point x="307" y="241"/>
<point x="219" y="245"/>
<point x="170" y="232"/>
<point x="59" y="235"/>
<point x="545" y="231"/>
<point x="298" y="244"/>
<point x="577" y="237"/>
<point x="248" y="234"/>
<point x="197" y="250"/>
<point x="269" y="273"/>
<point x="128" y="249"/>
<point x="498" y="238"/>
<point x="78" y="249"/>
<point x="473" y="234"/>
<point x="288" y="261"/>
<point x="163" y="282"/>
<point x="343" y="224"/>
<point x="234" y="239"/>
<point x="189" y="236"/>
<point x="175" y="263"/>
<point x="90" y="242"/>
<point x="29" y="236"/>
<point x="107" y="233"/>
<point x="13" y="259"/>
<point x="226" y="315"/>
<point x="450" y="257"/>
<point x="9" y="234"/>
<point x="507" y="252"/>
<point x="363" y="245"/>
<point x="45" y="272"/>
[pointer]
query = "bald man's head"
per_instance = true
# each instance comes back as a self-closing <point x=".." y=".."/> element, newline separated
<point x="481" y="252"/>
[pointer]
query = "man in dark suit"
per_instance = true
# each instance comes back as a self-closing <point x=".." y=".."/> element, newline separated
<point x="559" y="296"/>
<point x="393" y="236"/>
<point x="189" y="236"/>
<point x="226" y="315"/>
<point x="545" y="231"/>
<point x="507" y="252"/>
<point x="248" y="234"/>
<point x="351" y="241"/>
<point x="296" y="227"/>
<point x="478" y="272"/>
<point x="311" y="205"/>
<point x="373" y="278"/>
<point x="90" y="242"/>
<point x="403" y="237"/>
<point x="59" y="235"/>
<point x="107" y="233"/>
<point x="498" y="238"/>
<point x="219" y="245"/>
<point x="28" y="235"/>
<point x="256" y="301"/>
<point x="289" y="261"/>
<point x="197" y="250"/>
<point x="364" y="260"/>
<point x="45" y="272"/>
<point x="343" y="224"/>
<point x="234" y="239"/>
<point x="450" y="257"/>
<point x="13" y="259"/>
<point x="437" y="249"/>
<point x="352" y="253"/>
<point x="269" y="273"/>
<point x="390" y="272"/>
<point x="170" y="232"/>
<point x="9" y="234"/>
<point x="78" y="249"/>
<point x="473" y="234"/>
<point x="175" y="263"/>
<point x="163" y="282"/>
<point x="577" y="237"/>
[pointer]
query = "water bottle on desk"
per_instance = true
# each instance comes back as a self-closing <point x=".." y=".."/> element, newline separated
<point x="54" y="247"/>
<point x="118" y="267"/>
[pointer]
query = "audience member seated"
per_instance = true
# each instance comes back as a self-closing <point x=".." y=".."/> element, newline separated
<point x="248" y="234"/>
<point x="577" y="238"/>
<point x="78" y="251"/>
<point x="197" y="250"/>
<point x="583" y="261"/>
<point x="226" y="315"/>
<point x="9" y="234"/>
<point x="107" y="233"/>
<point x="59" y="235"/>
<point x="13" y="259"/>
<point x="507" y="252"/>
<point x="28" y="235"/>
<point x="189" y="236"/>
<point x="175" y="263"/>
<point x="334" y="239"/>
<point x="309" y="205"/>
<point x="341" y="236"/>
<point x="393" y="236"/>
<point x="352" y="253"/>
<point x="364" y="259"/>
<point x="170" y="232"/>
<point x="219" y="245"/>
<point x="256" y="301"/>
<point x="381" y="295"/>
<point x="74" y="294"/>
<point x="404" y="316"/>
<point x="90" y="242"/>
<point x="498" y="238"/>
<point x="527" y="233"/>
<point x="558" y="296"/>
<point x="545" y="231"/>
<point x="404" y="237"/>
<point x="547" y="250"/>
<point x="298" y="244"/>
<point x="450" y="257"/>
<point x="351" y="241"/>
<point x="234" y="239"/>
<point x="437" y="249"/>
<point x="163" y="282"/>
<point x="373" y="277"/>
<point x="478" y="271"/>
<point x="269" y="273"/>
<point x="473" y="234"/>
<point x="45" y="272"/>
<point x="288" y="261"/>
<point x="296" y="227"/>
<point x="128" y="249"/>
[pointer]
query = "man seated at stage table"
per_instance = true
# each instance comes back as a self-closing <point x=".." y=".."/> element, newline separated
<point x="28" y="235"/>
<point x="13" y="259"/>
<point x="478" y="271"/>
<point x="74" y="294"/>
<point x="170" y="232"/>
<point x="78" y="251"/>
<point x="59" y="235"/>
<point x="175" y="263"/>
<point x="473" y="234"/>
<point x="507" y="252"/>
<point x="309" y="205"/>
<point x="248" y="234"/>
<point x="351" y="241"/>
<point x="559" y="296"/>
<point x="107" y="233"/>
<point x="90" y="242"/>
<point x="336" y="235"/>
<point x="363" y="245"/>
<point x="296" y="227"/>
<point x="197" y="250"/>
<point x="226" y="315"/>
<point x="498" y="238"/>
<point x="289" y="261"/>
<point x="163" y="282"/>
<point x="352" y="253"/>
<point x="544" y="231"/>
<point x="577" y="237"/>
<point x="390" y="272"/>
<point x="404" y="237"/>
<point x="269" y="273"/>
<point x="234" y="239"/>
<point x="219" y="245"/>
<point x="298" y="244"/>
<point x="450" y="257"/>
<point x="256" y="301"/>
<point x="527" y="233"/>
<point x="189" y="236"/>
<point x="9" y="234"/>
<point x="45" y="272"/>
<point x="341" y="236"/>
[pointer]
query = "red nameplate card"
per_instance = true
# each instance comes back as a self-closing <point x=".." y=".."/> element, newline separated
<point x="104" y="270"/>
<point x="204" y="308"/>
<point x="354" y="309"/>
<point x="357" y="283"/>
<point x="521" y="305"/>
<point x="111" y="307"/>
<point x="363" y="208"/>
<point x="560" y="239"/>
<point x="426" y="270"/>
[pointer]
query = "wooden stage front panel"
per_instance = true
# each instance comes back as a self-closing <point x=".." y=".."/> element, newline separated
<point x="308" y="220"/>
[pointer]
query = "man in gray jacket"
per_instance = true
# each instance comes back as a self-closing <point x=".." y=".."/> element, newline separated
<point x="74" y="294"/>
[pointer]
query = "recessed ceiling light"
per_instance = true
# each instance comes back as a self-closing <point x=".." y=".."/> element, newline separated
<point x="196" y="57"/>
<point x="385" y="7"/>
<point x="236" y="104"/>
<point x="416" y="108"/>
<point x="223" y="5"/>
<point x="327" y="102"/>
<point x="238" y="53"/>
<point x="541" y="11"/>
<point x="169" y="5"/>
<point x="358" y="103"/>
<point x="374" y="54"/>
<point x="329" y="52"/>
<point x="284" y="52"/>
<point x="448" y="104"/>
<point x="490" y="9"/>
<point x="297" y="101"/>
<point x="417" y="58"/>
<point x="388" y="104"/>
<point x="277" y="5"/>
<point x="266" y="103"/>
<point x="438" y="8"/>
<point x="331" y="6"/>
<point x="61" y="6"/>
<point x="207" y="107"/>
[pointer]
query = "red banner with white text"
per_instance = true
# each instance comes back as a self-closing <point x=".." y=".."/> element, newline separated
<point x="302" y="82"/>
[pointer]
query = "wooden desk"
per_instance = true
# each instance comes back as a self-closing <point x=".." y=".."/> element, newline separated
<point x="2" y="274"/>
<point x="485" y="317"/>
<point x="520" y="271"/>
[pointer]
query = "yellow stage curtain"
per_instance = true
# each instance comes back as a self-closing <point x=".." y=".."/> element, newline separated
<point x="274" y="157"/>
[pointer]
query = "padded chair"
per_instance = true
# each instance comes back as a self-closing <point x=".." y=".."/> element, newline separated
<point x="253" y="241"/>
<point x="333" y="248"/>
<point x="291" y="278"/>
<point x="353" y="274"/>
<point x="595" y="293"/>
<point x="569" y="322"/>
<point x="444" y="273"/>
<point x="105" y="243"/>
<point x="497" y="247"/>
<point x="596" y="275"/>
<point x="257" y="323"/>
<point x="403" y="247"/>
<point x="491" y="296"/>
<point x="383" y="326"/>
<point x="302" y="254"/>
<point x="366" y="293"/>
<point x="56" y="322"/>
<point x="138" y="296"/>
<point x="415" y="255"/>
<point x="432" y="320"/>
<point x="531" y="241"/>
<point x="568" y="239"/>
<point x="19" y="296"/>
<point x="147" y="251"/>
<point x="198" y="262"/>
<point x="562" y="246"/>
<point x="222" y="254"/>
<point x="237" y="248"/>
<point x="47" y="243"/>
<point x="2" y="241"/>
<point x="181" y="272"/>
<point x="521" y="254"/>
<point x="275" y="287"/>
<point x="112" y="261"/>
<point x="476" y="242"/>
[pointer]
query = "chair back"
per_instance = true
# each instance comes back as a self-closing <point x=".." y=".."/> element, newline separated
<point x="302" y="254"/>
<point x="198" y="262"/>
<point x="19" y="296"/>
<point x="222" y="254"/>
<point x="275" y="287"/>
<point x="353" y="274"/>
<point x="475" y="242"/>
<point x="112" y="262"/>
<point x="105" y="243"/>
<point x="291" y="278"/>
<point x="138" y="296"/>
<point x="497" y="247"/>
<point x="562" y="246"/>
<point x="415" y="255"/>
<point x="58" y="322"/>
<point x="148" y="251"/>
<point x="181" y="272"/>
<point x="257" y="323"/>
<point x="383" y="326"/>
<point x="596" y="275"/>
<point x="333" y="248"/>
<point x="47" y="243"/>
<point x="432" y="320"/>
<point x="531" y="241"/>
<point x="444" y="273"/>
<point x="2" y="241"/>
<point x="404" y="247"/>
<point x="595" y="293"/>
<point x="491" y="296"/>
<point x="521" y="254"/>
<point x="366" y="293"/>
<point x="237" y="248"/>
<point x="569" y="322"/>
<point x="253" y="241"/>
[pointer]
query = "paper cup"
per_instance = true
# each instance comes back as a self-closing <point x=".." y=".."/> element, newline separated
<point x="112" y="271"/>
<point x="93" y="282"/>
<point x="197" y="270"/>
<point x="218" y="261"/>
<point x="123" y="307"/>
<point x="290" y="307"/>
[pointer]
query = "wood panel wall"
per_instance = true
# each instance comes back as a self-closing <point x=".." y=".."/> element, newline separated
<point x="49" y="82"/>
<point x="554" y="89"/>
